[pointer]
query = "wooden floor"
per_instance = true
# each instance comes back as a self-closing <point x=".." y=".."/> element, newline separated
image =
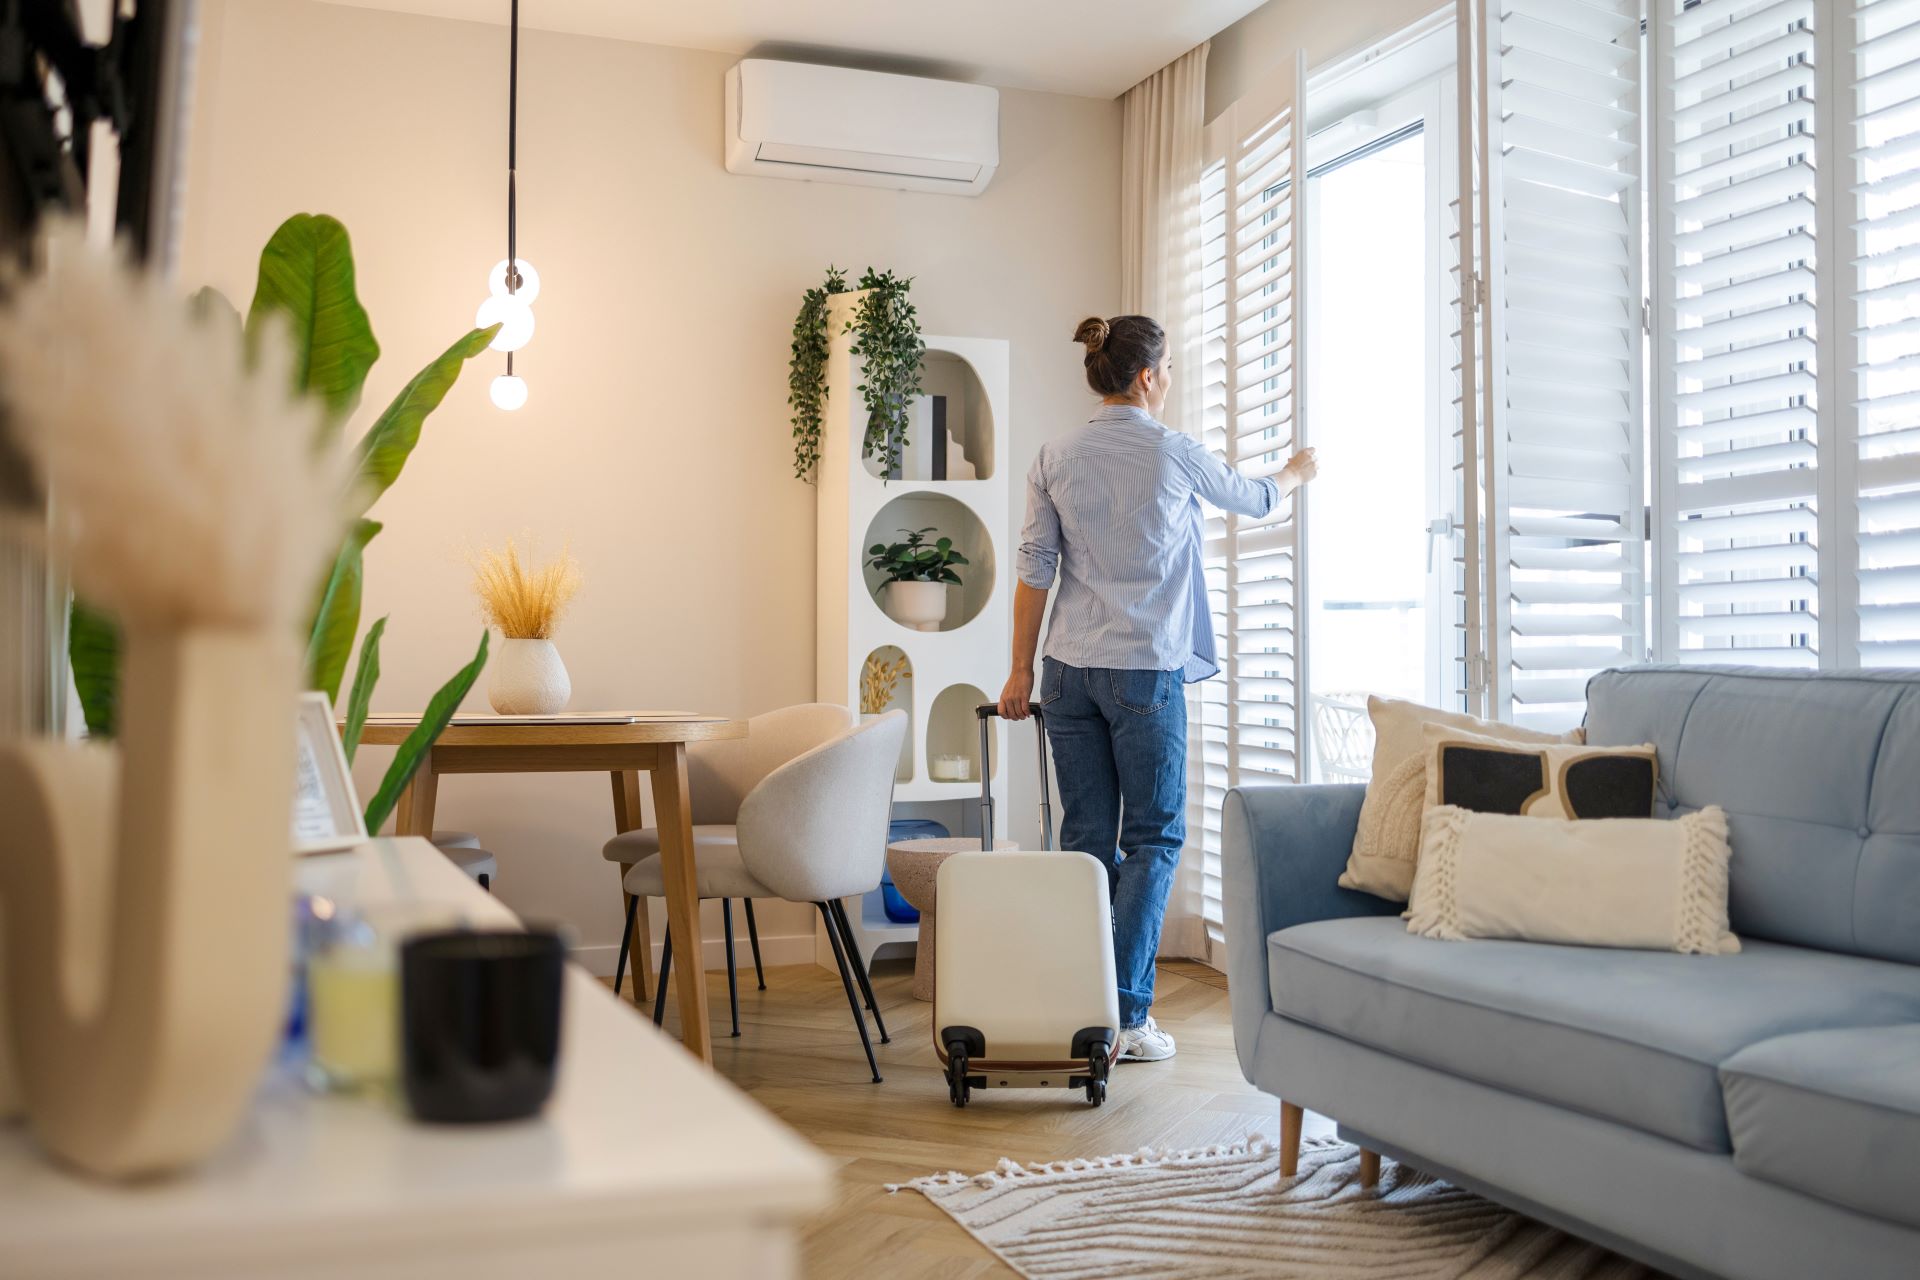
<point x="798" y="1054"/>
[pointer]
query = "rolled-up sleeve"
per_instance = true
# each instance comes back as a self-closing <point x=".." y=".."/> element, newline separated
<point x="1219" y="484"/>
<point x="1039" y="558"/>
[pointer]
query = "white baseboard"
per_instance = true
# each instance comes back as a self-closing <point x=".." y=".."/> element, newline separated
<point x="791" y="948"/>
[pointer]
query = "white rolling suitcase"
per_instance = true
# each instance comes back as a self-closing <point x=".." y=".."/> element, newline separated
<point x="1024" y="990"/>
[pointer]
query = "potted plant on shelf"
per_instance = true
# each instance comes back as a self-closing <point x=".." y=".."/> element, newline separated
<point x="917" y="576"/>
<point x="525" y="602"/>
<point x="886" y="339"/>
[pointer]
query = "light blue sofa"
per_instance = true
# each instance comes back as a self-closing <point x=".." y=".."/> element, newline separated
<point x="1754" y="1115"/>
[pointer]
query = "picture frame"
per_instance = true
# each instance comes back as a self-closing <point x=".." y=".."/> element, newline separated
<point x="326" y="809"/>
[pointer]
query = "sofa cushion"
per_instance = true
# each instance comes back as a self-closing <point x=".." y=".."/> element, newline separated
<point x="1835" y="1114"/>
<point x="1629" y="1036"/>
<point x="1815" y="771"/>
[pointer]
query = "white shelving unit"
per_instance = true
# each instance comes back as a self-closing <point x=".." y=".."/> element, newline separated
<point x="956" y="668"/>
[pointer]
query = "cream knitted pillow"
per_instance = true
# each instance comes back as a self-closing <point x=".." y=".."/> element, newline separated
<point x="1388" y="838"/>
<point x="1600" y="882"/>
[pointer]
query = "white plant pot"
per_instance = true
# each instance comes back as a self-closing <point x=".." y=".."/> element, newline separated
<point x="921" y="606"/>
<point x="527" y="678"/>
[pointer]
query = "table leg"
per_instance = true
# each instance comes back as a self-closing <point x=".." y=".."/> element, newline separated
<point x="626" y="817"/>
<point x="415" y="814"/>
<point x="674" y="815"/>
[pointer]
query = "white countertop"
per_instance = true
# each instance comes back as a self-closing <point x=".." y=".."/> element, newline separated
<point x="638" y="1143"/>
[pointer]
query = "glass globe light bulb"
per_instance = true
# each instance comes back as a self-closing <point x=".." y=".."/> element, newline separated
<point x="509" y="392"/>
<point x="529" y="280"/>
<point x="514" y="317"/>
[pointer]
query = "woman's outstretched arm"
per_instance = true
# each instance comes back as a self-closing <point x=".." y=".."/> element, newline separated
<point x="1029" y="606"/>
<point x="1223" y="487"/>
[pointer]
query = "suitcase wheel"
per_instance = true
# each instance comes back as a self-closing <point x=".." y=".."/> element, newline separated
<point x="957" y="1086"/>
<point x="1097" y="1067"/>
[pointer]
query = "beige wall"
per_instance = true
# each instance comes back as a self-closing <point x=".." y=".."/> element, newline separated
<point x="1267" y="38"/>
<point x="656" y="438"/>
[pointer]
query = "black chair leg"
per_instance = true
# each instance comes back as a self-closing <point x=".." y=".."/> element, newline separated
<point x="626" y="938"/>
<point x="733" y="990"/>
<point x="846" y="980"/>
<point x="859" y="966"/>
<point x="660" y="980"/>
<point x="486" y="882"/>
<point x="753" y="939"/>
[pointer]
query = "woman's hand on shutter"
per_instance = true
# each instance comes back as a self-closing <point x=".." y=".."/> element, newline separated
<point x="1301" y="467"/>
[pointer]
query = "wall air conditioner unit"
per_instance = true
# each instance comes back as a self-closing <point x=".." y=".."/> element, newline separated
<point x="832" y="124"/>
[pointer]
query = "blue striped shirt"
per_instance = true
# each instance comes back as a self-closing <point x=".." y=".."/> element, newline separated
<point x="1113" y="512"/>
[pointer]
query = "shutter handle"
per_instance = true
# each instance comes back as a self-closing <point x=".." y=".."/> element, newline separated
<point x="1437" y="528"/>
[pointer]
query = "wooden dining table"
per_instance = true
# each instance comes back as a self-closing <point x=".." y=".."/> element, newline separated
<point x="623" y="747"/>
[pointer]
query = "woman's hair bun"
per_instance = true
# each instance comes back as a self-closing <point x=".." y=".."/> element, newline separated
<point x="1092" y="333"/>
<point x="1118" y="349"/>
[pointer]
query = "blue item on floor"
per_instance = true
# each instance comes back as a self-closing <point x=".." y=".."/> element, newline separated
<point x="898" y="909"/>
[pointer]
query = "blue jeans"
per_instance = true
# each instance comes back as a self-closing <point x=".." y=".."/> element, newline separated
<point x="1119" y="743"/>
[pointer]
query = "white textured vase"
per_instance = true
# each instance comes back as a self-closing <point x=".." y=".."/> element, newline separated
<point x="919" y="605"/>
<point x="527" y="678"/>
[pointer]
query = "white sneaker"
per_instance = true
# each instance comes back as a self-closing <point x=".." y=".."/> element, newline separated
<point x="1145" y="1043"/>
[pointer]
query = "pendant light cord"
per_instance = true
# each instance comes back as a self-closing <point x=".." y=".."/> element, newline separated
<point x="513" y="121"/>
<point x="513" y="112"/>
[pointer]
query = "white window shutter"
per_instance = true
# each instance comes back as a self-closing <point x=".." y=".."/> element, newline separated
<point x="1882" y="242"/>
<point x="1208" y="775"/>
<point x="1739" y="447"/>
<point x="1250" y="729"/>
<point x="1560" y="434"/>
<point x="1471" y="368"/>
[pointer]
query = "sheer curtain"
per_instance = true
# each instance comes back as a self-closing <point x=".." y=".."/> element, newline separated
<point x="1161" y="122"/>
<point x="1160" y="251"/>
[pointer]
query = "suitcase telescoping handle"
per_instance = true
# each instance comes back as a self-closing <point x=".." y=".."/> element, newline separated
<point x="987" y="711"/>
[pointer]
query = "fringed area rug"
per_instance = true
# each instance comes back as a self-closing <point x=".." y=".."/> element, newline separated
<point x="1223" y="1212"/>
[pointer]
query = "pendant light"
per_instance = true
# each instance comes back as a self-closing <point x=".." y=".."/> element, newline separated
<point x="513" y="284"/>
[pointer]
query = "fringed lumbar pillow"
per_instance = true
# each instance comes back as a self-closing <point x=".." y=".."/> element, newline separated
<point x="1642" y="883"/>
<point x="1490" y="775"/>
<point x="1388" y="838"/>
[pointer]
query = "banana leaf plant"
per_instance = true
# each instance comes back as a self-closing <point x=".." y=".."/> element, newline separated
<point x="306" y="282"/>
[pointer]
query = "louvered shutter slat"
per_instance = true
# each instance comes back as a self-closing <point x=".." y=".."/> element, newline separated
<point x="1207" y="731"/>
<point x="1738" y="211"/>
<point x="1260" y="579"/>
<point x="1886" y="326"/>
<point x="1243" y="725"/>
<point x="1564" y="573"/>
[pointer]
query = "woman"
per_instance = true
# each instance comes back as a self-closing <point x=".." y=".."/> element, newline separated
<point x="1113" y="512"/>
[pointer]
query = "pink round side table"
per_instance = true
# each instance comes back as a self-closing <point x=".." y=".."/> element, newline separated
<point x="915" y="867"/>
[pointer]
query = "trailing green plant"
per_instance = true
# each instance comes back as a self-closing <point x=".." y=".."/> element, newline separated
<point x="886" y="329"/>
<point x="807" y="372"/>
<point x="306" y="284"/>
<point x="886" y="336"/>
<point x="916" y="560"/>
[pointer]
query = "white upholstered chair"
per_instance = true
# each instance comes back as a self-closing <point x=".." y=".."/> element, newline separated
<point x="719" y="776"/>
<point x="797" y="810"/>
